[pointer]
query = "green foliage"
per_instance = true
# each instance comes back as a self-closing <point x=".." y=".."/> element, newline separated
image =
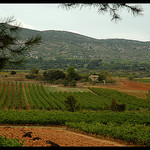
<point x="16" y="96"/>
<point x="137" y="134"/>
<point x="31" y="76"/>
<point x="53" y="75"/>
<point x="22" y="98"/>
<point x="79" y="46"/>
<point x="72" y="74"/>
<point x="131" y="77"/>
<point x="4" y="97"/>
<point x="103" y="75"/>
<point x="29" y="97"/>
<point x="143" y="80"/>
<point x="34" y="71"/>
<point x="117" y="107"/>
<point x="129" y="126"/>
<point x="71" y="103"/>
<point x="10" y="99"/>
<point x="65" y="82"/>
<point x="148" y="96"/>
<point x="39" y="98"/>
<point x="131" y="102"/>
<point x="13" y="72"/>
<point x="94" y="64"/>
<point x="73" y="83"/>
<point x="4" y="142"/>
<point x="11" y="51"/>
<point x="2" y="89"/>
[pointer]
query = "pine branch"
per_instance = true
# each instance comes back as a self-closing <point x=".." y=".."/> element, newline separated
<point x="112" y="8"/>
<point x="11" y="48"/>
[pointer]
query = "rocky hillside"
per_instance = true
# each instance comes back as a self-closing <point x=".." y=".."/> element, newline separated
<point x="64" y="44"/>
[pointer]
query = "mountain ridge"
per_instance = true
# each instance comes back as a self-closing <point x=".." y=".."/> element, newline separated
<point x="65" y="44"/>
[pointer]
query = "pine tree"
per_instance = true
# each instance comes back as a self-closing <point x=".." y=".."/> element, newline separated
<point x="12" y="47"/>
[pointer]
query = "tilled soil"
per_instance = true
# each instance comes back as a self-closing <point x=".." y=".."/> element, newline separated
<point x="53" y="136"/>
<point x="131" y="87"/>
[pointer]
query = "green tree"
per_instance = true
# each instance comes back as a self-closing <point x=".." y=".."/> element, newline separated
<point x="34" y="71"/>
<point x="72" y="74"/>
<point x="71" y="104"/>
<point x="12" y="48"/>
<point x="112" y="8"/>
<point x="103" y="75"/>
<point x="53" y="75"/>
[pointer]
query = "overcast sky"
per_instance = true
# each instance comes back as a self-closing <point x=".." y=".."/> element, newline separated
<point x="48" y="16"/>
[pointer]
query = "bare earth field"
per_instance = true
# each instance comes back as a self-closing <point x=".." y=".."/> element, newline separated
<point x="131" y="87"/>
<point x="54" y="136"/>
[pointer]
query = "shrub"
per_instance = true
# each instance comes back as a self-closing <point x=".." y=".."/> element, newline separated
<point x="131" y="78"/>
<point x="73" y="83"/>
<point x="30" y="76"/>
<point x="4" y="142"/>
<point x="112" y="81"/>
<point x="71" y="104"/>
<point x="115" y="107"/>
<point x="52" y="75"/>
<point x="65" y="82"/>
<point x="34" y="71"/>
<point x="13" y="72"/>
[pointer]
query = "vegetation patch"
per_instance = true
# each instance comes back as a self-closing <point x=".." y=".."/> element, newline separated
<point x="144" y="80"/>
<point x="4" y="142"/>
<point x="128" y="126"/>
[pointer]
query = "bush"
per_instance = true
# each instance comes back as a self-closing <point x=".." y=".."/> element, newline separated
<point x="30" y="76"/>
<point x="112" y="81"/>
<point x="65" y="82"/>
<point x="4" y="142"/>
<point x="71" y="104"/>
<point x="13" y="72"/>
<point x="73" y="83"/>
<point x="34" y="71"/>
<point x="115" y="107"/>
<point x="131" y="78"/>
<point x="52" y="75"/>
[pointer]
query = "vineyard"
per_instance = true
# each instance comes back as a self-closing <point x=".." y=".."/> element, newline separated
<point x="25" y="96"/>
<point x="26" y="103"/>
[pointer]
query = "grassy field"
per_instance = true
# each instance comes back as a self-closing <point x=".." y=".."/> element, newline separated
<point x="66" y="89"/>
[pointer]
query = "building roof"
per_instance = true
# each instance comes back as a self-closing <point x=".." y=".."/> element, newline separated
<point x="94" y="76"/>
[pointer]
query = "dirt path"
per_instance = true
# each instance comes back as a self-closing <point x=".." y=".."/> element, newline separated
<point x="53" y="136"/>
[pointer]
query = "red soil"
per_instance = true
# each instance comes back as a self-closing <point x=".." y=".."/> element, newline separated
<point x="131" y="87"/>
<point x="44" y="136"/>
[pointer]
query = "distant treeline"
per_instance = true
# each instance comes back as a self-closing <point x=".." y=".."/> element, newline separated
<point x="92" y="64"/>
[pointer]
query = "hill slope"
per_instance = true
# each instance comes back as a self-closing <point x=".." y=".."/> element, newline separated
<point x="64" y="44"/>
